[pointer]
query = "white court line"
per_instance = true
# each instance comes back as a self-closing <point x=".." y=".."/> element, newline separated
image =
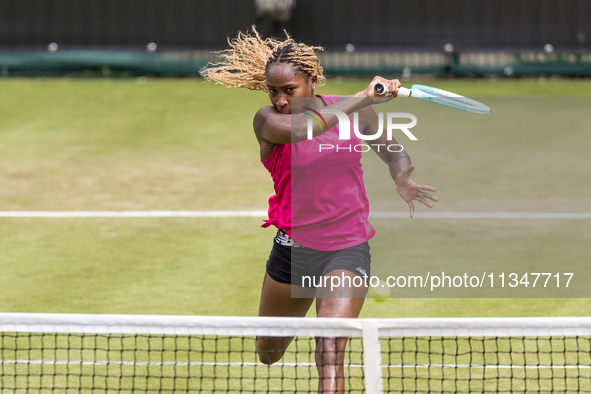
<point x="131" y="214"/>
<point x="485" y="215"/>
<point x="263" y="214"/>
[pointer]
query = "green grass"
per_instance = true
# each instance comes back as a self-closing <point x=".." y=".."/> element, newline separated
<point x="125" y="144"/>
<point x="181" y="144"/>
<point x="142" y="266"/>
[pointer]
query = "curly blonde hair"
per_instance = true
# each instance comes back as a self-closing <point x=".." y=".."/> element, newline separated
<point x="245" y="63"/>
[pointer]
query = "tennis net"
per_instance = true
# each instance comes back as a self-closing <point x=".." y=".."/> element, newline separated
<point x="70" y="353"/>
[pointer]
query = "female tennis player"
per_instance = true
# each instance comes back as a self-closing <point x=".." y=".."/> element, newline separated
<point x="320" y="207"/>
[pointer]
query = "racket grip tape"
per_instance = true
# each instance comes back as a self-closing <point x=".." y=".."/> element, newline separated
<point x="404" y="92"/>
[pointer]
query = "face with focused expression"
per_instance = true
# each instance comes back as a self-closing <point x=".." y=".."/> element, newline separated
<point x="286" y="80"/>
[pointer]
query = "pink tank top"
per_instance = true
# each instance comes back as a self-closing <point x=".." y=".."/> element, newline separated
<point x="320" y="199"/>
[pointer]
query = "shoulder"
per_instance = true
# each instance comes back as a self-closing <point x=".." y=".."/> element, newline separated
<point x="262" y="114"/>
<point x="258" y="124"/>
<point x="261" y="118"/>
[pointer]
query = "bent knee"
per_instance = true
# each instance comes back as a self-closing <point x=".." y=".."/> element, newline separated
<point x="269" y="357"/>
<point x="271" y="350"/>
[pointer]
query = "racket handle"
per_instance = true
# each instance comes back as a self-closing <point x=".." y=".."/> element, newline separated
<point x="380" y="90"/>
<point x="404" y="92"/>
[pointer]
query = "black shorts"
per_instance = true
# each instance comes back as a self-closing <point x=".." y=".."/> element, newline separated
<point x="290" y="262"/>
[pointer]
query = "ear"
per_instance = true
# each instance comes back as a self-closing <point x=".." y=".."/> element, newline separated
<point x="314" y="81"/>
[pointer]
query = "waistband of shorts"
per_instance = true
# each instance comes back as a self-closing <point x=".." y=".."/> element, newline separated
<point x="283" y="239"/>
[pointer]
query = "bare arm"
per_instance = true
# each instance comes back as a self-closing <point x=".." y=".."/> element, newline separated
<point x="399" y="164"/>
<point x="277" y="128"/>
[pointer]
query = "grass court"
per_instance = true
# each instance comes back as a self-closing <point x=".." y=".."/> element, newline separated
<point x="181" y="144"/>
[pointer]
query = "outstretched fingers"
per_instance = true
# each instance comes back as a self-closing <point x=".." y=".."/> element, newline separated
<point x="424" y="196"/>
<point x="410" y="191"/>
<point x="411" y="208"/>
<point x="427" y="187"/>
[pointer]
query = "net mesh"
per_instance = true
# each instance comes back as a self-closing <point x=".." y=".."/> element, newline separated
<point x="129" y="354"/>
<point x="105" y="363"/>
<point x="546" y="364"/>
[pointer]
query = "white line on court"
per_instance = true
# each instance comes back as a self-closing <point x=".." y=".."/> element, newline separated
<point x="131" y="214"/>
<point x="263" y="214"/>
<point x="485" y="215"/>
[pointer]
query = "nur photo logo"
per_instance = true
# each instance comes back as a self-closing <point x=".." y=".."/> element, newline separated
<point x="392" y="123"/>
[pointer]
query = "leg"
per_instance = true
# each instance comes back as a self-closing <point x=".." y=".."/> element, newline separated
<point x="345" y="301"/>
<point x="276" y="300"/>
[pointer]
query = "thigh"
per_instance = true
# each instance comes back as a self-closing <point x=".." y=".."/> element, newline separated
<point x="345" y="300"/>
<point x="277" y="300"/>
<point x="345" y="275"/>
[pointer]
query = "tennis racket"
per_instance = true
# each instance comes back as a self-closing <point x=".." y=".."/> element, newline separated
<point x="438" y="96"/>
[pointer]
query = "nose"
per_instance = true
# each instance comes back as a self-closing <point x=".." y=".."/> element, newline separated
<point x="281" y="101"/>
